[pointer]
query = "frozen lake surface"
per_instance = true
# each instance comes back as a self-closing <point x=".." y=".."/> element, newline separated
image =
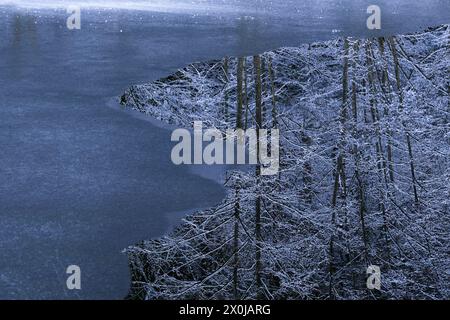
<point x="80" y="181"/>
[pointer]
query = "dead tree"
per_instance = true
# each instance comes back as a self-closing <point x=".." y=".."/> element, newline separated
<point x="239" y="93"/>
<point x="360" y="185"/>
<point x="339" y="172"/>
<point x="400" y="97"/>
<point x="226" y="97"/>
<point x="381" y="163"/>
<point x="237" y="213"/>
<point x="258" y="107"/>
<point x="385" y="85"/>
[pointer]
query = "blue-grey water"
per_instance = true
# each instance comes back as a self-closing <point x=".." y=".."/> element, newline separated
<point x="80" y="181"/>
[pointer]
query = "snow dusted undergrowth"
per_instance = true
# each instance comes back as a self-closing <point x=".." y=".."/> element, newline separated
<point x="364" y="179"/>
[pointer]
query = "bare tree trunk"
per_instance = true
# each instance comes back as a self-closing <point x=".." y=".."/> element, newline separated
<point x="339" y="174"/>
<point x="307" y="168"/>
<point x="361" y="193"/>
<point x="240" y="69"/>
<point x="258" y="105"/>
<point x="225" y="107"/>
<point x="237" y="210"/>
<point x="271" y="76"/>
<point x="245" y="95"/>
<point x="400" y="96"/>
<point x="272" y="93"/>
<point x="386" y="92"/>
<point x="263" y="88"/>
<point x="379" y="147"/>
<point x="376" y="115"/>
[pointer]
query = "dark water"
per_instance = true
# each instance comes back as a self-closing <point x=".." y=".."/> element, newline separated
<point x="80" y="181"/>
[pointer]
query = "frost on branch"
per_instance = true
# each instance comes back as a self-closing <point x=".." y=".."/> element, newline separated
<point x="364" y="175"/>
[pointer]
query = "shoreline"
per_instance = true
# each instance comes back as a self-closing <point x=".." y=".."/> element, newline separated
<point x="215" y="173"/>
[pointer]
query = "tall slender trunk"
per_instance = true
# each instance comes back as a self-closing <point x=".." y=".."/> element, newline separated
<point x="263" y="88"/>
<point x="245" y="95"/>
<point x="400" y="97"/>
<point x="226" y="98"/>
<point x="376" y="115"/>
<point x="378" y="145"/>
<point x="272" y="93"/>
<point x="258" y="106"/>
<point x="240" y="69"/>
<point x="237" y="210"/>
<point x="386" y="92"/>
<point x="271" y="76"/>
<point x="307" y="167"/>
<point x="361" y="193"/>
<point x="339" y="174"/>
